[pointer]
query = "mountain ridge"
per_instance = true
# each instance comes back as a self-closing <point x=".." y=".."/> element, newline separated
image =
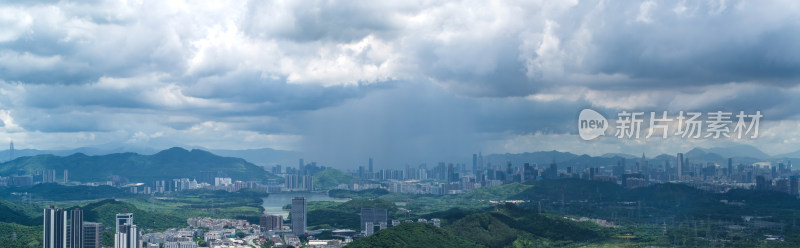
<point x="167" y="164"/>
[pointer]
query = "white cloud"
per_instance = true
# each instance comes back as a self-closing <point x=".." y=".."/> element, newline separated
<point x="239" y="74"/>
<point x="645" y="11"/>
<point x="15" y="23"/>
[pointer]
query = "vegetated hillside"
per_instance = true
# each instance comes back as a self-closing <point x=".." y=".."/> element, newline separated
<point x="475" y="199"/>
<point x="13" y="213"/>
<point x="346" y="214"/>
<point x="367" y="193"/>
<point x="510" y="225"/>
<point x="330" y="178"/>
<point x="19" y="236"/>
<point x="656" y="202"/>
<point x="58" y="192"/>
<point x="413" y="235"/>
<point x="105" y="211"/>
<point x="501" y="192"/>
<point x="168" y="164"/>
<point x="571" y="189"/>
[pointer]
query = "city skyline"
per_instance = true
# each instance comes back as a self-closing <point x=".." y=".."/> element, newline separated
<point x="463" y="123"/>
<point x="401" y="82"/>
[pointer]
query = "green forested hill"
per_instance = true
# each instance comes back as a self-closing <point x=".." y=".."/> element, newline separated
<point x="58" y="192"/>
<point x="20" y="226"/>
<point x="105" y="212"/>
<point x="13" y="213"/>
<point x="346" y="214"/>
<point x="171" y="163"/>
<point x="509" y="225"/>
<point x="330" y="178"/>
<point x="413" y="235"/>
<point x="19" y="236"/>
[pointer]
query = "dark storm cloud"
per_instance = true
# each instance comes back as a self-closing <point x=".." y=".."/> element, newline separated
<point x="705" y="44"/>
<point x="522" y="116"/>
<point x="414" y="123"/>
<point x="58" y="96"/>
<point x="483" y="68"/>
<point x="401" y="81"/>
<point x="67" y="121"/>
<point x="318" y="20"/>
<point x="274" y="96"/>
<point x="420" y="122"/>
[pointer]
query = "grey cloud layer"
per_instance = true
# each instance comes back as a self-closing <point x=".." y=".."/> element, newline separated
<point x="382" y="78"/>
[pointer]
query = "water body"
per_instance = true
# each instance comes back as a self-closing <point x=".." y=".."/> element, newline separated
<point x="273" y="204"/>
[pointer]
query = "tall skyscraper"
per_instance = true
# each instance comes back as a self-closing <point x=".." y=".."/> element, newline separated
<point x="299" y="216"/>
<point x="761" y="183"/>
<point x="127" y="237"/>
<point x="730" y="167"/>
<point x="123" y="219"/>
<point x="92" y="235"/>
<point x="641" y="164"/>
<point x="127" y="234"/>
<point x="11" y="151"/>
<point x="372" y="217"/>
<point x="300" y="167"/>
<point x="552" y="172"/>
<point x="49" y="176"/>
<point x="680" y="167"/>
<point x="474" y="163"/>
<point x="480" y="161"/>
<point x="370" y="165"/>
<point x="308" y="183"/>
<point x="76" y="224"/>
<point x="66" y="176"/>
<point x="451" y="173"/>
<point x="55" y="228"/>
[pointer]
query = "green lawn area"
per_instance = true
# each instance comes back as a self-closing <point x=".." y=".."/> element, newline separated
<point x="476" y="199"/>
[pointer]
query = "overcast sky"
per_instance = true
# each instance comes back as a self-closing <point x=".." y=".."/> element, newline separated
<point x="402" y="81"/>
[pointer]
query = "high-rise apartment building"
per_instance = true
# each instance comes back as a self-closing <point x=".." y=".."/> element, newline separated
<point x="76" y="227"/>
<point x="55" y="228"/>
<point x="299" y="216"/>
<point x="371" y="218"/>
<point x="680" y="167"/>
<point x="92" y="235"/>
<point x="271" y="222"/>
<point x="127" y="236"/>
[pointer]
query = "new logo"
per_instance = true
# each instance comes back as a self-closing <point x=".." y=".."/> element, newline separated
<point x="591" y="124"/>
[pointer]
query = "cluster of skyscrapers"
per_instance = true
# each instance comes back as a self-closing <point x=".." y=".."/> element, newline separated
<point x="66" y="229"/>
<point x="300" y="179"/>
<point x="22" y="178"/>
<point x="297" y="215"/>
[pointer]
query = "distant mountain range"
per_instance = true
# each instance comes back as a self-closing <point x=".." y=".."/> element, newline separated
<point x="267" y="157"/>
<point x="167" y="164"/>
<point x="743" y="154"/>
<point x="262" y="157"/>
